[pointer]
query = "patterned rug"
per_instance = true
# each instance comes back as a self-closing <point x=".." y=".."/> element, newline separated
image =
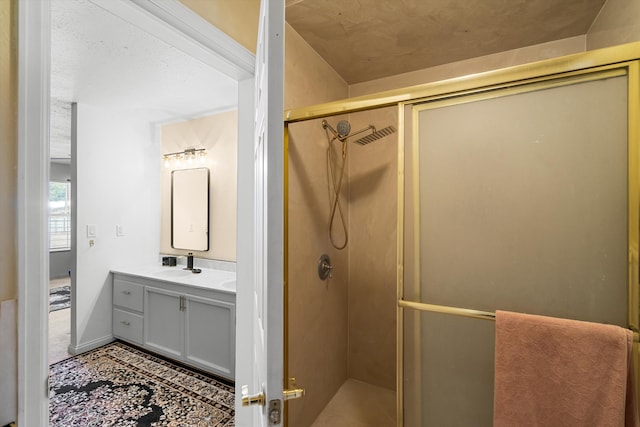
<point x="119" y="385"/>
<point x="59" y="298"/>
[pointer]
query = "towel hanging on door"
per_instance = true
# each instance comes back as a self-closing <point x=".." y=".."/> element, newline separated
<point x="551" y="372"/>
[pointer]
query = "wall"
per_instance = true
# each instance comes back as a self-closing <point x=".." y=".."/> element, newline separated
<point x="218" y="134"/>
<point x="617" y="23"/>
<point x="317" y="309"/>
<point x="8" y="160"/>
<point x="59" y="261"/>
<point x="115" y="182"/>
<point x="472" y="66"/>
<point x="237" y="18"/>
<point x="60" y="172"/>
<point x="8" y="219"/>
<point x="372" y="251"/>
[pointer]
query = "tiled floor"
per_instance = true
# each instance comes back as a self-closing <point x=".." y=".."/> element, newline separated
<point x="59" y="328"/>
<point x="358" y="404"/>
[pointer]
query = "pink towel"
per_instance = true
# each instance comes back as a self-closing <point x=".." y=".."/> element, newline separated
<point x="560" y="372"/>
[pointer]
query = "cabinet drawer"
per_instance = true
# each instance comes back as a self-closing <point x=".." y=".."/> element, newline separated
<point x="127" y="326"/>
<point x="127" y="294"/>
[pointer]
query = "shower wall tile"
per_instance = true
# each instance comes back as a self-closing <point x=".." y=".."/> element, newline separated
<point x="317" y="309"/>
<point x="372" y="252"/>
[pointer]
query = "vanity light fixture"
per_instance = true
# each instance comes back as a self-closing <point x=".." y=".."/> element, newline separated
<point x="189" y="155"/>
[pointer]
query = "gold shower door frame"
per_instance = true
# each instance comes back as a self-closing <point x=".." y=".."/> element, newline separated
<point x="618" y="60"/>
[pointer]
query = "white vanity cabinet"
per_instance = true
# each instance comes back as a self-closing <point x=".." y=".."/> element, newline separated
<point x="193" y="325"/>
<point x="164" y="322"/>
<point x="127" y="310"/>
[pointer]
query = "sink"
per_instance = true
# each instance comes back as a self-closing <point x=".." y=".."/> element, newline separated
<point x="173" y="273"/>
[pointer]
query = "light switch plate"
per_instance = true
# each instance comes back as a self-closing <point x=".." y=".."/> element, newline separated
<point x="119" y="230"/>
<point x="91" y="230"/>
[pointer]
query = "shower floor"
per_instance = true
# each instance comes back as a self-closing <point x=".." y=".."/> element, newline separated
<point x="358" y="404"/>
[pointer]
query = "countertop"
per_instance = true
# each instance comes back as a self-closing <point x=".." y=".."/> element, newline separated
<point x="219" y="280"/>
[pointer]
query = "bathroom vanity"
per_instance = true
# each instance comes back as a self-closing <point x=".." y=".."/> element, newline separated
<point x="173" y="312"/>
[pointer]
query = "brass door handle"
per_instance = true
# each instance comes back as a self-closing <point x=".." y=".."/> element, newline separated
<point x="294" y="392"/>
<point x="253" y="399"/>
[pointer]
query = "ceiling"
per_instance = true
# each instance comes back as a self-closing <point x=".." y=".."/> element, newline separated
<point x="99" y="59"/>
<point x="369" y="39"/>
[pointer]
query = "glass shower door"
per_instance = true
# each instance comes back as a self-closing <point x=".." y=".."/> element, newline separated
<point x="519" y="199"/>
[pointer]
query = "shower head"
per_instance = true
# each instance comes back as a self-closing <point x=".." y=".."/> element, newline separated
<point x="375" y="135"/>
<point x="343" y="127"/>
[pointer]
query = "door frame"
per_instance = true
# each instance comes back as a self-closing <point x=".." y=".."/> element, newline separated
<point x="585" y="62"/>
<point x="172" y="22"/>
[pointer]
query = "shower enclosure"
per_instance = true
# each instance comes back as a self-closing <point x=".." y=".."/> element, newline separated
<point x="513" y="190"/>
<point x="344" y="327"/>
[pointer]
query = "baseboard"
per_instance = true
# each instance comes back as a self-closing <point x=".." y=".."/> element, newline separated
<point x="84" y="347"/>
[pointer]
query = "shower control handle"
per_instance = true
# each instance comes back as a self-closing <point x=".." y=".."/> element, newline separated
<point x="325" y="269"/>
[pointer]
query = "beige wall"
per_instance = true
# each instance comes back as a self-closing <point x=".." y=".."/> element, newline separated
<point x="472" y="66"/>
<point x="372" y="251"/>
<point x="218" y="134"/>
<point x="8" y="206"/>
<point x="8" y="159"/>
<point x="617" y="23"/>
<point x="317" y="309"/>
<point x="237" y="18"/>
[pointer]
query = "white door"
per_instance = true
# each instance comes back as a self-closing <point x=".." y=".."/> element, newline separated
<point x="264" y="393"/>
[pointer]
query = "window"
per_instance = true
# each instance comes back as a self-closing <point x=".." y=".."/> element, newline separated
<point x="59" y="216"/>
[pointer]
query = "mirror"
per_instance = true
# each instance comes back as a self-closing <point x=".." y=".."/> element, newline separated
<point x="190" y="209"/>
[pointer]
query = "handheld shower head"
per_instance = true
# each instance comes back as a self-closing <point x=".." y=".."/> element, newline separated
<point x="343" y="129"/>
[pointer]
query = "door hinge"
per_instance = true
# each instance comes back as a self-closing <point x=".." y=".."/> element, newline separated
<point x="275" y="412"/>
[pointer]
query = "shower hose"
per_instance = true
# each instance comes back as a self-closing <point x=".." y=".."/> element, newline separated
<point x="334" y="196"/>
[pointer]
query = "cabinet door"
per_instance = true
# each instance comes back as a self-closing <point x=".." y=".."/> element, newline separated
<point x="210" y="340"/>
<point x="164" y="322"/>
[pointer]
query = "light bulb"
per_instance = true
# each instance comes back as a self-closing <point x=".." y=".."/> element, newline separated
<point x="201" y="156"/>
<point x="190" y="158"/>
<point x="167" y="163"/>
<point x="178" y="160"/>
